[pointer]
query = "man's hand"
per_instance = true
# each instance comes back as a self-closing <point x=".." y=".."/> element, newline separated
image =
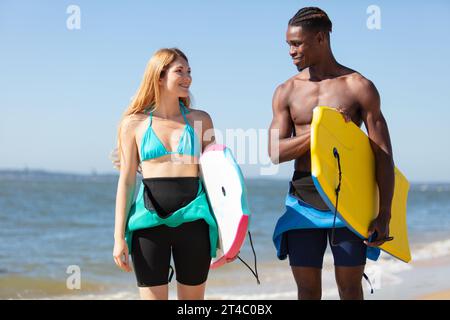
<point x="344" y="113"/>
<point x="379" y="228"/>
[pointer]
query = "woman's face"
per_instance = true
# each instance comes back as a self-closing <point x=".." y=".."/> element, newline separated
<point x="177" y="78"/>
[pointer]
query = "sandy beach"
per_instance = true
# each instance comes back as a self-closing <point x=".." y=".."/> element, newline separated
<point x="443" y="295"/>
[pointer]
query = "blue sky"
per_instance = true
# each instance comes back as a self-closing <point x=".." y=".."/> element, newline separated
<point x="63" y="91"/>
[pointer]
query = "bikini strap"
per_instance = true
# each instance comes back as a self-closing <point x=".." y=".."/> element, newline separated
<point x="151" y="118"/>
<point x="183" y="112"/>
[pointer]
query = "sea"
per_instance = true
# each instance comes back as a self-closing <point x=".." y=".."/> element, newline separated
<point x="56" y="242"/>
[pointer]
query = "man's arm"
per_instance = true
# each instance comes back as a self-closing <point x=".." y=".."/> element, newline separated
<point x="380" y="142"/>
<point x="282" y="146"/>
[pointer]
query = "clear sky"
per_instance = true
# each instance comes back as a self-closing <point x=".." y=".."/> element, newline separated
<point x="62" y="91"/>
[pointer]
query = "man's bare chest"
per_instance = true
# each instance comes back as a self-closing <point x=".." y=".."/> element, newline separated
<point x="304" y="98"/>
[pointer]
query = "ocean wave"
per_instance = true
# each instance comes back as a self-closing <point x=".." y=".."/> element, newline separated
<point x="437" y="249"/>
<point x="431" y="187"/>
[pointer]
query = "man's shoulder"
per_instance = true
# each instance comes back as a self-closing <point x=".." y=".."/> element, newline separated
<point x="294" y="81"/>
<point x="287" y="86"/>
<point x="357" y="81"/>
<point x="363" y="88"/>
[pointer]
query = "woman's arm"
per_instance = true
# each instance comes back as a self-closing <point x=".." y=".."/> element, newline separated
<point x="207" y="134"/>
<point x="114" y="157"/>
<point x="125" y="189"/>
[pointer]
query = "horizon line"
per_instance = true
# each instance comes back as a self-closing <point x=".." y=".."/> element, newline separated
<point x="94" y="172"/>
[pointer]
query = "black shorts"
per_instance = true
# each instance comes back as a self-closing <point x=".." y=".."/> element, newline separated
<point x="306" y="247"/>
<point x="189" y="244"/>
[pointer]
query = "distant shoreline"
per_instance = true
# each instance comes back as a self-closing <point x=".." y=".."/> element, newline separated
<point x="42" y="173"/>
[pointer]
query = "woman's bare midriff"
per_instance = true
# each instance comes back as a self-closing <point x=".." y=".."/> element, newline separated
<point x="167" y="166"/>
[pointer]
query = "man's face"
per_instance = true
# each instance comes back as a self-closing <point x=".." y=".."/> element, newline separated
<point x="302" y="46"/>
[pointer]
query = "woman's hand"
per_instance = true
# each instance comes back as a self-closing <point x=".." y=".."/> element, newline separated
<point x="233" y="258"/>
<point x="120" y="255"/>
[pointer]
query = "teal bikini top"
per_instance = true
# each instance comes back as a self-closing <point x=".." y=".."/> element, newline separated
<point x="152" y="147"/>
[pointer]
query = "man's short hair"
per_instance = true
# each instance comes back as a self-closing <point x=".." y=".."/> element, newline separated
<point x="311" y="18"/>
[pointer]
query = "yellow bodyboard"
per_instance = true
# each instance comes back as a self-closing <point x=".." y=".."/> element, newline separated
<point x="358" y="197"/>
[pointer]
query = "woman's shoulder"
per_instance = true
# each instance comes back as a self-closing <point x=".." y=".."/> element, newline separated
<point x="198" y="114"/>
<point x="132" y="121"/>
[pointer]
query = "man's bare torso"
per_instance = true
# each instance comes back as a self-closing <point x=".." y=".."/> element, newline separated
<point x="304" y="94"/>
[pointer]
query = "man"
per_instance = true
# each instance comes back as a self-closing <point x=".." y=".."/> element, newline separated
<point x="322" y="81"/>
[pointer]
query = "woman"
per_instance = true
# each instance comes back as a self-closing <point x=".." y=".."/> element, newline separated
<point x="171" y="214"/>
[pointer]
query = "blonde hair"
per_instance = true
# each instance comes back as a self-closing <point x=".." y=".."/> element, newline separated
<point x="148" y="96"/>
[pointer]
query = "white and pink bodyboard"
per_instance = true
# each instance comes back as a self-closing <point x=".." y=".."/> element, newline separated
<point x="227" y="196"/>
